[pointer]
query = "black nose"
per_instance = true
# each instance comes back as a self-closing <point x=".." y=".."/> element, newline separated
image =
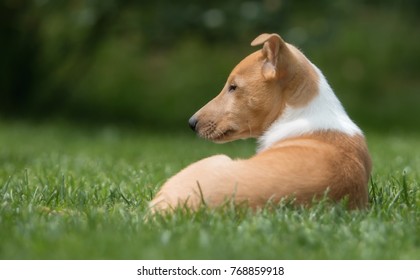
<point x="193" y="123"/>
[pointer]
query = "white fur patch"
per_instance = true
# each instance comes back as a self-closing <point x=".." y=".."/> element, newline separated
<point x="324" y="112"/>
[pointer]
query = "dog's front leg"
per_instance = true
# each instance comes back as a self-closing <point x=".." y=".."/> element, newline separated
<point x="193" y="185"/>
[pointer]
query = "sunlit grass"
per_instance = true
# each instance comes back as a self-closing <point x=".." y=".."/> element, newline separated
<point x="70" y="192"/>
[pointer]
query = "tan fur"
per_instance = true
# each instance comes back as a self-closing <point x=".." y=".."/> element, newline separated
<point x="304" y="167"/>
<point x="250" y="111"/>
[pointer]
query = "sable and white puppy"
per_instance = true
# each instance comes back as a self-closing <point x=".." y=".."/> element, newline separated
<point x="308" y="146"/>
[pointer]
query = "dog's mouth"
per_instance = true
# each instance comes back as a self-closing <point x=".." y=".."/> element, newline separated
<point x="218" y="136"/>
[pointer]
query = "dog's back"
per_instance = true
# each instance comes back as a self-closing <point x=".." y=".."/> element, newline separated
<point x="304" y="168"/>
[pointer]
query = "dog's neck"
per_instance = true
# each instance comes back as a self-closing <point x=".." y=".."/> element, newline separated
<point x="324" y="112"/>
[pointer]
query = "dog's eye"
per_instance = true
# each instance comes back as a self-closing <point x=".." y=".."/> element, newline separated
<point x="232" y="88"/>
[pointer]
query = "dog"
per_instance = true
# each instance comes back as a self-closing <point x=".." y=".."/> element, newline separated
<point x="308" y="146"/>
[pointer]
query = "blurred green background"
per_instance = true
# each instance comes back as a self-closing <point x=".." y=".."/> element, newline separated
<point x="154" y="63"/>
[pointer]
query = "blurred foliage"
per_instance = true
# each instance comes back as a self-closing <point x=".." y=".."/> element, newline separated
<point x="156" y="62"/>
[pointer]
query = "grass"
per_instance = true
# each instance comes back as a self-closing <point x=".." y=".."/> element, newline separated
<point x="73" y="192"/>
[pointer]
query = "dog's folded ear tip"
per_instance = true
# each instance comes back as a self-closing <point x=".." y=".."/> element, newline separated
<point x="260" y="39"/>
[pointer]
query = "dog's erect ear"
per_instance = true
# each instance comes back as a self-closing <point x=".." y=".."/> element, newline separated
<point x="272" y="44"/>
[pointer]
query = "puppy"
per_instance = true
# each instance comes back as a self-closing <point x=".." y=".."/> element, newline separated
<point x="308" y="146"/>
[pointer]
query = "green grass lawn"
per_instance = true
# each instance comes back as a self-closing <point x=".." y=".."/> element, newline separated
<point x="70" y="192"/>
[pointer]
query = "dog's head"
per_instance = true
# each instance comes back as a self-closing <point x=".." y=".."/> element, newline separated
<point x="257" y="91"/>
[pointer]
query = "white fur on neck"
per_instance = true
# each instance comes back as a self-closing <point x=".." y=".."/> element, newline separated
<point x="324" y="112"/>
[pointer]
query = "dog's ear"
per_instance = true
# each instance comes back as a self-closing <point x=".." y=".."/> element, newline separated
<point x="272" y="45"/>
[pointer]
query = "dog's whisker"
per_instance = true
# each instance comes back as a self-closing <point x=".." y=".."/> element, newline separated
<point x="250" y="129"/>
